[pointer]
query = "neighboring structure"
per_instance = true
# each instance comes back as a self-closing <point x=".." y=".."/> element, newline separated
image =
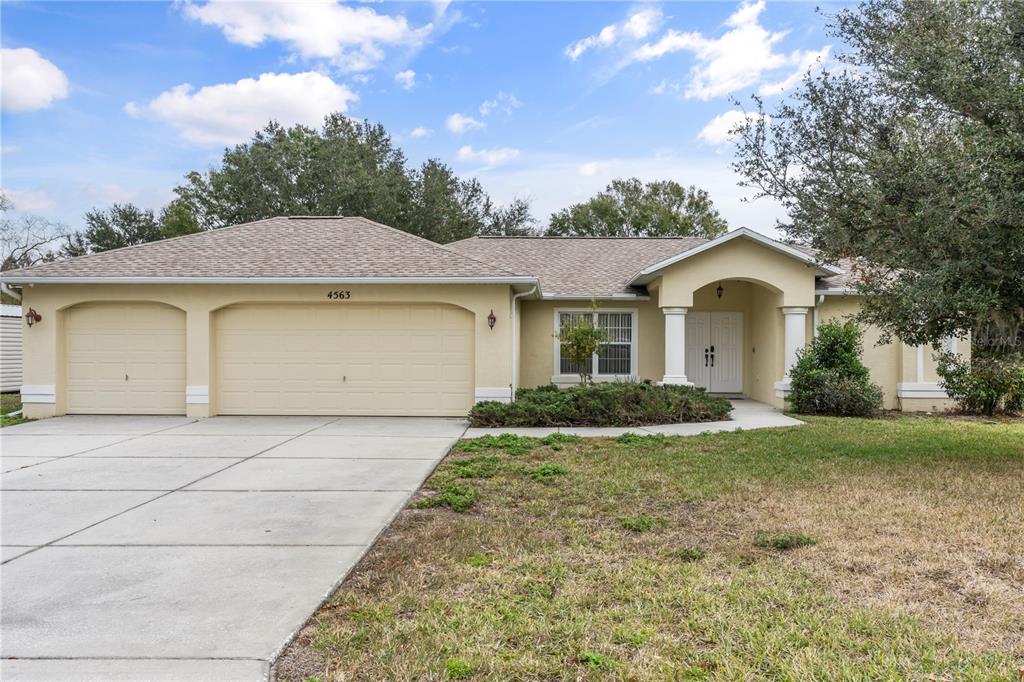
<point x="10" y="348"/>
<point x="348" y="316"/>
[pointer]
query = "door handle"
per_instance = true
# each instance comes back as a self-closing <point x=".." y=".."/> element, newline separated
<point x="705" y="357"/>
<point x="712" y="356"/>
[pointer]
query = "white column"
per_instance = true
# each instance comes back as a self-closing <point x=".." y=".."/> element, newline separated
<point x="675" y="347"/>
<point x="796" y="335"/>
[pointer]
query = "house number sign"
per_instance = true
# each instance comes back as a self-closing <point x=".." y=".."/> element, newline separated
<point x="339" y="295"/>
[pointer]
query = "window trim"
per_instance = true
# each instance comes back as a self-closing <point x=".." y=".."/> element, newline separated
<point x="634" y="347"/>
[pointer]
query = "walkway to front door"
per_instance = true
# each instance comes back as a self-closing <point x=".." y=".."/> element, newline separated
<point x="714" y="351"/>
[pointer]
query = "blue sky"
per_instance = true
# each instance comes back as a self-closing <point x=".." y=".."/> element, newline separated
<point x="106" y="102"/>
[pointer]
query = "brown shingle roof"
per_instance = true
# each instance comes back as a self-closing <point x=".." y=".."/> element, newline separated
<point x="279" y="247"/>
<point x="577" y="266"/>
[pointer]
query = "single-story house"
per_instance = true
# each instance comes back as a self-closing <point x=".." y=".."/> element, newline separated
<point x="345" y="316"/>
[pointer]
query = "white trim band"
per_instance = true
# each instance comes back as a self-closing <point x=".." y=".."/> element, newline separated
<point x="197" y="395"/>
<point x="501" y="394"/>
<point x="39" y="393"/>
<point x="920" y="389"/>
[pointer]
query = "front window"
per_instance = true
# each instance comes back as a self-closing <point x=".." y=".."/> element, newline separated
<point x="616" y="355"/>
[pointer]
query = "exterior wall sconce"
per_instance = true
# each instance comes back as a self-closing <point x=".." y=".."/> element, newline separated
<point x="31" y="317"/>
<point x="719" y="290"/>
<point x="491" y="319"/>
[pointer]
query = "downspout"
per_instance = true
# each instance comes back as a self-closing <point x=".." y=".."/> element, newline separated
<point x="515" y="348"/>
<point x="814" y="314"/>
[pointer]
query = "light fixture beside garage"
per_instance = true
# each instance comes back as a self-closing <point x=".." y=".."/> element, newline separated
<point x="491" y="319"/>
<point x="31" y="317"/>
<point x="719" y="290"/>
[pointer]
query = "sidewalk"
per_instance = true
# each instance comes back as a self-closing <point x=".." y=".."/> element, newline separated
<point x="746" y="415"/>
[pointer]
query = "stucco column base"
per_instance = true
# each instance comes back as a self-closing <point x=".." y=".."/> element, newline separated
<point x="38" y="410"/>
<point x="676" y="381"/>
<point x="197" y="411"/>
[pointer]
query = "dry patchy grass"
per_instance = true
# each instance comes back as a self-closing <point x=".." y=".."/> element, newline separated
<point x="638" y="560"/>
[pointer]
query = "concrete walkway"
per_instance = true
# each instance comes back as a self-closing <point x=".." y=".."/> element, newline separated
<point x="164" y="548"/>
<point x="746" y="415"/>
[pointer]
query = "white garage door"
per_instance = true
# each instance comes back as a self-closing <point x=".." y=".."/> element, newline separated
<point x="344" y="360"/>
<point x="125" y="358"/>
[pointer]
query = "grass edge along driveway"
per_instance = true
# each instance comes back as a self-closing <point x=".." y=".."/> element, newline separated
<point x="845" y="549"/>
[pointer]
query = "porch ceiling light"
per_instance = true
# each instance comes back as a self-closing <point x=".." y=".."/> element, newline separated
<point x="719" y="290"/>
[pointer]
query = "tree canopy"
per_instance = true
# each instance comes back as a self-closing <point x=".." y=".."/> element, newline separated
<point x="631" y="208"/>
<point x="908" y="156"/>
<point x="127" y="225"/>
<point x="345" y="168"/>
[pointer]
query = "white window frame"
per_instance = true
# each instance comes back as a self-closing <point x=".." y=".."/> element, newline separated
<point x="634" y="346"/>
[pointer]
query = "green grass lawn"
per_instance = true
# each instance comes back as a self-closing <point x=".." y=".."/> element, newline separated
<point x="10" y="402"/>
<point x="845" y="549"/>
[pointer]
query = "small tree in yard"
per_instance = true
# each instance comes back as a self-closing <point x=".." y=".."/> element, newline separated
<point x="829" y="377"/>
<point x="580" y="339"/>
<point x="983" y="385"/>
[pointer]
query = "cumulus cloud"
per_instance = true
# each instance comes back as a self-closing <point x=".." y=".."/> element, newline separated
<point x="229" y="113"/>
<point x="421" y="131"/>
<point x="503" y="101"/>
<point x="739" y="58"/>
<point x="638" y="25"/>
<point x="490" y="157"/>
<point x="407" y="79"/>
<point x="719" y="129"/>
<point x="353" y="38"/>
<point x="459" y="123"/>
<point x="807" y="61"/>
<point x="29" y="82"/>
<point x="592" y="168"/>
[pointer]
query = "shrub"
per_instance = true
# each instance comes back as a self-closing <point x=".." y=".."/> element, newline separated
<point x="829" y="377"/>
<point x="611" y="404"/>
<point x="983" y="385"/>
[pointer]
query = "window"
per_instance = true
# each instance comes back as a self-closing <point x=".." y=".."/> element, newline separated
<point x="617" y="355"/>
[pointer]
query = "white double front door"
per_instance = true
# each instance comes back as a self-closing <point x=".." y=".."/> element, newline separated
<point x="714" y="351"/>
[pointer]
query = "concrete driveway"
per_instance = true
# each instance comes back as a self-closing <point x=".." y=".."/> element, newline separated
<point x="164" y="548"/>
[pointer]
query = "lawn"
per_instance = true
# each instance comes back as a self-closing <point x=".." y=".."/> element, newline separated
<point x="845" y="549"/>
<point x="10" y="402"/>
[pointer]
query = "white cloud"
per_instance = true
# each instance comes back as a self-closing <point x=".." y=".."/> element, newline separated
<point x="490" y="157"/>
<point x="638" y="25"/>
<point x="719" y="129"/>
<point x="29" y="82"/>
<point x="421" y="131"/>
<point x="503" y="101"/>
<point x="807" y="61"/>
<point x="592" y="168"/>
<point x="351" y="37"/>
<point x="458" y="123"/>
<point x="29" y="200"/>
<point x="230" y="113"/>
<point x="8" y="149"/>
<point x="739" y="58"/>
<point x="407" y="79"/>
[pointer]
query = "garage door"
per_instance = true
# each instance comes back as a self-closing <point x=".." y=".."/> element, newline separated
<point x="344" y="360"/>
<point x="125" y="358"/>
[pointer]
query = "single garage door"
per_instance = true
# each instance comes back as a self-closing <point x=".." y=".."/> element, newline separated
<point x="344" y="359"/>
<point x="125" y="358"/>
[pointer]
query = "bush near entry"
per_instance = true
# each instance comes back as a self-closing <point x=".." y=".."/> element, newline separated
<point x="829" y="377"/>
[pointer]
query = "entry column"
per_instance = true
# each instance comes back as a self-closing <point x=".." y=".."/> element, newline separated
<point x="675" y="347"/>
<point x="796" y="337"/>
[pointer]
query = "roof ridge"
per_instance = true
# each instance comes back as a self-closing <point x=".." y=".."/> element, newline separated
<point x="439" y="246"/>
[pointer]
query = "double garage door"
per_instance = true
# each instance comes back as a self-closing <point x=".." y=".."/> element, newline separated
<point x="275" y="359"/>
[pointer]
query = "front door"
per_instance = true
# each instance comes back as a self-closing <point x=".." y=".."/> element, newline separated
<point x="714" y="351"/>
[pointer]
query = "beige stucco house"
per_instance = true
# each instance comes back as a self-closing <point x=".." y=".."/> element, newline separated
<point x="347" y="316"/>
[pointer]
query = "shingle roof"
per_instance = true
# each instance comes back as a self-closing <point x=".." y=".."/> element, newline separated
<point x="577" y="266"/>
<point x="307" y="247"/>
